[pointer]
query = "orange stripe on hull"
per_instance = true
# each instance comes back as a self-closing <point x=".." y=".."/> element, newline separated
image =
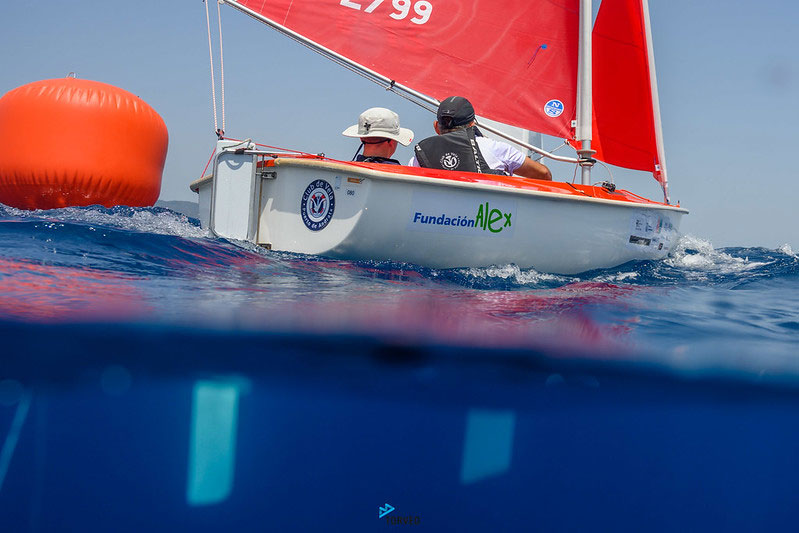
<point x="515" y="182"/>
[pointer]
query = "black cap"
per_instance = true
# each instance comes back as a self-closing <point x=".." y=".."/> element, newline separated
<point x="454" y="111"/>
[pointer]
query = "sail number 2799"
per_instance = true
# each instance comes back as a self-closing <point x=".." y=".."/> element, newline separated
<point x="422" y="8"/>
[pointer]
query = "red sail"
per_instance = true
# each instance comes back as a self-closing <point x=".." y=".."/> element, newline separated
<point x="624" y="123"/>
<point x="515" y="60"/>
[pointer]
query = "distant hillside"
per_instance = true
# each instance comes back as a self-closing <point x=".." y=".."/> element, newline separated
<point x="190" y="209"/>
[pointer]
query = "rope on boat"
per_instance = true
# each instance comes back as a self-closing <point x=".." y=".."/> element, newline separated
<point x="211" y="57"/>
<point x="612" y="180"/>
<point x="219" y="132"/>
<point x="289" y="150"/>
<point x="208" y="163"/>
<point x="539" y="157"/>
<point x="610" y="172"/>
<point x="221" y="62"/>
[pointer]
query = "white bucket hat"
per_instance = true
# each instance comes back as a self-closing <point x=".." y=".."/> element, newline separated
<point x="380" y="122"/>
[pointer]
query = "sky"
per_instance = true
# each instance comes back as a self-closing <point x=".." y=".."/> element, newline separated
<point x="728" y="77"/>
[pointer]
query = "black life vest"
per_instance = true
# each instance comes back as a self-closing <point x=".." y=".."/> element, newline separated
<point x="376" y="159"/>
<point x="456" y="150"/>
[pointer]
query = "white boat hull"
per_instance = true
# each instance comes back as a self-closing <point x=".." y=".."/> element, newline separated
<point x="432" y="222"/>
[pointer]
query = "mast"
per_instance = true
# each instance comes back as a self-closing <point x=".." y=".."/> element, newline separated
<point x="584" y="92"/>
<point x="653" y="82"/>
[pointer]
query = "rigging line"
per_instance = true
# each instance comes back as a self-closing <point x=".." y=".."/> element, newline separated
<point x="552" y="151"/>
<point x="412" y="100"/>
<point x="387" y="86"/>
<point x="399" y="91"/>
<point x="324" y="53"/>
<point x="610" y="173"/>
<point x="391" y="87"/>
<point x="273" y="147"/>
<point x="211" y="57"/>
<point x="221" y="63"/>
<point x="208" y="163"/>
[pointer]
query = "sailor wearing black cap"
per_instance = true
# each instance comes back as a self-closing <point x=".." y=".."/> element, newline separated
<point x="459" y="146"/>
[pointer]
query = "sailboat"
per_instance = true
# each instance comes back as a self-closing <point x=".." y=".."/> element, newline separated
<point x="532" y="64"/>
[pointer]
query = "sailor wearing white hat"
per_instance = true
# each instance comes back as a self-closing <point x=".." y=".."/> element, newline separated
<point x="379" y="131"/>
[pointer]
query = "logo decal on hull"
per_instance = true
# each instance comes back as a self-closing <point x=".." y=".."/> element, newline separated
<point x="317" y="205"/>
<point x="457" y="214"/>
<point x="651" y="232"/>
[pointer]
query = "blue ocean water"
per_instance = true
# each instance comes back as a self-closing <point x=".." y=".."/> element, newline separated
<point x="154" y="377"/>
<point x="153" y="265"/>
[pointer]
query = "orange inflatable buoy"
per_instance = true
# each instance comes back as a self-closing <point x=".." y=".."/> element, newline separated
<point x="70" y="142"/>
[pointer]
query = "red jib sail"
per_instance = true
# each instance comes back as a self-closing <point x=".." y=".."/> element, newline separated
<point x="515" y="60"/>
<point x="624" y="125"/>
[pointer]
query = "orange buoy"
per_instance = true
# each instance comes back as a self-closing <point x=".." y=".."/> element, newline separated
<point x="70" y="142"/>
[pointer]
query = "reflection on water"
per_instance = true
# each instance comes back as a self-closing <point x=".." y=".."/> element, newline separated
<point x="49" y="292"/>
<point x="153" y="265"/>
<point x="116" y="275"/>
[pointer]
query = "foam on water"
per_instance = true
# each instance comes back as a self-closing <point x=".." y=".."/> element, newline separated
<point x="618" y="277"/>
<point x="694" y="254"/>
<point x="156" y="220"/>
<point x="513" y="274"/>
<point x="787" y="250"/>
<point x="693" y="260"/>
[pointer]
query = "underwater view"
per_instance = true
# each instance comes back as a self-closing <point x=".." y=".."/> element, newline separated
<point x="195" y="362"/>
<point x="156" y="377"/>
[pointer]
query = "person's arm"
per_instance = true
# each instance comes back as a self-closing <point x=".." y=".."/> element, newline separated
<point x="533" y="169"/>
<point x="514" y="161"/>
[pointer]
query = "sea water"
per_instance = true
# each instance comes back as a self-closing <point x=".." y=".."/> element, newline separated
<point x="155" y="377"/>
<point x="155" y="266"/>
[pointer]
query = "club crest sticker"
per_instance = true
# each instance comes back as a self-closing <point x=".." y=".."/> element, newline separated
<point x="553" y="108"/>
<point x="450" y="161"/>
<point x="317" y="205"/>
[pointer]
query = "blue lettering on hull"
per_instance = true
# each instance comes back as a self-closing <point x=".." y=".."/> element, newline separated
<point x="443" y="220"/>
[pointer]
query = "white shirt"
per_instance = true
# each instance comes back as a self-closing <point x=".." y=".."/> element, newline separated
<point x="498" y="155"/>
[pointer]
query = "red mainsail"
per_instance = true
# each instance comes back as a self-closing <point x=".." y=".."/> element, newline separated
<point x="515" y="60"/>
